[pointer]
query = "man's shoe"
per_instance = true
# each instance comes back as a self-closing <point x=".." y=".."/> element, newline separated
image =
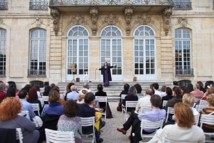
<point x="121" y="130"/>
<point x="100" y="140"/>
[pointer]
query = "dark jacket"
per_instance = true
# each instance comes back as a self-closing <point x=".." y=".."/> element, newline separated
<point x="101" y="93"/>
<point x="173" y="101"/>
<point x="130" y="98"/>
<point x="108" y="70"/>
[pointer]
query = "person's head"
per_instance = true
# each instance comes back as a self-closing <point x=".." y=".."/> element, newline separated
<point x="200" y="83"/>
<point x="56" y="88"/>
<point x="177" y="92"/>
<point x="53" y="96"/>
<point x="132" y="91"/>
<point x="155" y="101"/>
<point x="168" y="91"/>
<point x="100" y="87"/>
<point x="210" y="99"/>
<point x="82" y="94"/>
<point x="9" y="108"/>
<point x="70" y="108"/>
<point x="85" y="85"/>
<point x="155" y="86"/>
<point x="149" y="91"/>
<point x="190" y="87"/>
<point x="89" y="98"/>
<point x="163" y="88"/>
<point x="11" y="92"/>
<point x="188" y="100"/>
<point x="210" y="90"/>
<point x="126" y="87"/>
<point x="197" y="86"/>
<point x="22" y="93"/>
<point x="138" y="88"/>
<point x="46" y="90"/>
<point x="183" y="115"/>
<point x="2" y="86"/>
<point x="37" y="87"/>
<point x="12" y="84"/>
<point x="27" y="87"/>
<point x="32" y="95"/>
<point x="52" y="85"/>
<point x="68" y="88"/>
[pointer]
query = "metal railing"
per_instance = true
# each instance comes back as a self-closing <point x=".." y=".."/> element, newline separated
<point x="35" y="72"/>
<point x="3" y="5"/>
<point x="38" y="5"/>
<point x="108" y="2"/>
<point x="183" y="5"/>
<point x="184" y="72"/>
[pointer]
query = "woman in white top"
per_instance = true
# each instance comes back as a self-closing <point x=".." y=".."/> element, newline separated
<point x="183" y="131"/>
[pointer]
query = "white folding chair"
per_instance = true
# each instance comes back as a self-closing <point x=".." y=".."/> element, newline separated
<point x="88" y="122"/>
<point x="102" y="99"/>
<point x="146" y="124"/>
<point x="122" y="97"/>
<point x="208" y="120"/>
<point x="36" y="107"/>
<point x="170" y="110"/>
<point x="164" y="103"/>
<point x="145" y="109"/>
<point x="24" y="113"/>
<point x="129" y="104"/>
<point x="53" y="136"/>
<point x="202" y="104"/>
<point x="45" y="99"/>
<point x="19" y="135"/>
<point x="41" y="100"/>
<point x="196" y="119"/>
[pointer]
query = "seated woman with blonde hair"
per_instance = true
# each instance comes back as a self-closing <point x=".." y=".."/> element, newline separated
<point x="189" y="100"/>
<point x="9" y="119"/>
<point x="184" y="131"/>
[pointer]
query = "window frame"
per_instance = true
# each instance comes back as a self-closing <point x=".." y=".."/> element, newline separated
<point x="3" y="39"/>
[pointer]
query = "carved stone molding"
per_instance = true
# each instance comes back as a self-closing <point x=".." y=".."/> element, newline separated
<point x="166" y="20"/>
<point x="1" y="21"/>
<point x="182" y="21"/>
<point x="111" y="19"/>
<point x="94" y="17"/>
<point x="144" y="19"/>
<point x="128" y="17"/>
<point x="77" y="19"/>
<point x="38" y="22"/>
<point x="56" y="17"/>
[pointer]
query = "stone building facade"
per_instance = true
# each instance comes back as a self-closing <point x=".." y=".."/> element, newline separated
<point x="153" y="40"/>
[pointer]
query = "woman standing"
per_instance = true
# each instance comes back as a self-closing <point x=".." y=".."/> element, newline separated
<point x="106" y="72"/>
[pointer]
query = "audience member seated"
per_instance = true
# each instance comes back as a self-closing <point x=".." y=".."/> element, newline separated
<point x="2" y="94"/>
<point x="210" y="90"/>
<point x="155" y="87"/>
<point x="139" y="90"/>
<point x="132" y="96"/>
<point x="189" y="100"/>
<point x="168" y="95"/>
<point x="183" y="131"/>
<point x="73" y="94"/>
<point x="9" y="119"/>
<point x="27" y="87"/>
<point x="88" y="110"/>
<point x="100" y="92"/>
<point x="197" y="93"/>
<point x="177" y="97"/>
<point x="156" y="114"/>
<point x="11" y="92"/>
<point x="33" y="97"/>
<point x="144" y="102"/>
<point x="209" y="110"/>
<point x="201" y="86"/>
<point x="82" y="94"/>
<point x="54" y="107"/>
<point x="125" y="91"/>
<point x="86" y="86"/>
<point x="47" y="89"/>
<point x="26" y="106"/>
<point x="69" y="120"/>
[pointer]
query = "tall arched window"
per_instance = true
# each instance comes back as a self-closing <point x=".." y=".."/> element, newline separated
<point x="2" y="51"/>
<point x="144" y="52"/>
<point x="37" y="62"/>
<point x="111" y="49"/>
<point x="183" y="52"/>
<point x="77" y="52"/>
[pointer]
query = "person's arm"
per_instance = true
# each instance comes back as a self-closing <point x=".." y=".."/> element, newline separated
<point x="137" y="108"/>
<point x="31" y="112"/>
<point x="159" y="137"/>
<point x="26" y="124"/>
<point x="44" y="111"/>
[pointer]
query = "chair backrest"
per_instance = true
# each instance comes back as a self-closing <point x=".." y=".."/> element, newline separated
<point x="145" y="109"/>
<point x="87" y="121"/>
<point x="45" y="98"/>
<point x="101" y="98"/>
<point x="164" y="103"/>
<point x="202" y="104"/>
<point x="19" y="135"/>
<point x="146" y="124"/>
<point x="53" y="136"/>
<point x="207" y="119"/>
<point x="24" y="113"/>
<point x="123" y="96"/>
<point x="196" y="119"/>
<point x="36" y="108"/>
<point x="131" y="104"/>
<point x="170" y="110"/>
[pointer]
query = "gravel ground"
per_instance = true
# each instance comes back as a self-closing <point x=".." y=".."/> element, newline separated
<point x="110" y="133"/>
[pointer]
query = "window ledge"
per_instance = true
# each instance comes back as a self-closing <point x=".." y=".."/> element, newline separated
<point x="38" y="76"/>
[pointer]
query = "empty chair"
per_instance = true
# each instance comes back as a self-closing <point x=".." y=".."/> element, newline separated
<point x="88" y="122"/>
<point x="53" y="136"/>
